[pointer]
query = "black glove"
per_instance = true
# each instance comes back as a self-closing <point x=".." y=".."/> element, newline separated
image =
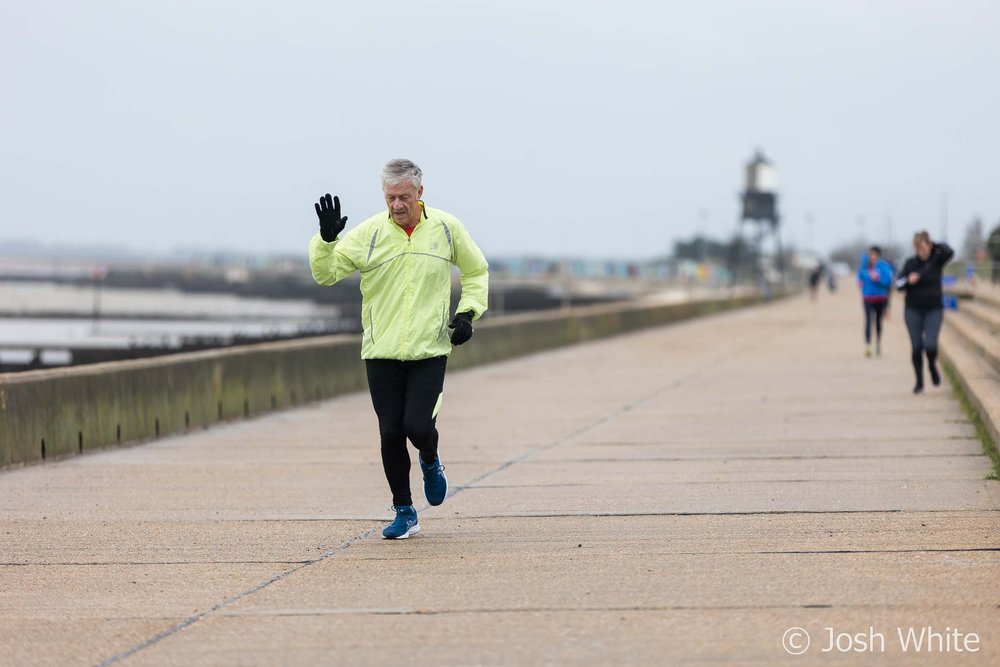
<point x="462" y="325"/>
<point x="330" y="222"/>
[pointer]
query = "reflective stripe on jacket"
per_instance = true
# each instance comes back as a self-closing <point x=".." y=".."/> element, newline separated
<point x="406" y="281"/>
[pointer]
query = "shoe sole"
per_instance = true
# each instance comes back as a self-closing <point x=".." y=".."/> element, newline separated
<point x="414" y="529"/>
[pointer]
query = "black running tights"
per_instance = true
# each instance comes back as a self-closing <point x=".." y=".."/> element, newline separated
<point x="873" y="312"/>
<point x="923" y="327"/>
<point x="405" y="395"/>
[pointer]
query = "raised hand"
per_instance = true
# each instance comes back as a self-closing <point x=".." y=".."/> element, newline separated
<point x="330" y="222"/>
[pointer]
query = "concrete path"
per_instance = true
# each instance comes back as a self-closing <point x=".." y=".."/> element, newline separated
<point x="686" y="494"/>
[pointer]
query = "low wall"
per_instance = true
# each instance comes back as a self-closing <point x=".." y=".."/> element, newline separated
<point x="54" y="413"/>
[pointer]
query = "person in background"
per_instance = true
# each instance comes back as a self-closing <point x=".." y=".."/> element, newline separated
<point x="875" y="280"/>
<point x="920" y="278"/>
<point x="814" y="277"/>
<point x="993" y="252"/>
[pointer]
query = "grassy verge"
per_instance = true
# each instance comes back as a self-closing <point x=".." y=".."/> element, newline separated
<point x="989" y="446"/>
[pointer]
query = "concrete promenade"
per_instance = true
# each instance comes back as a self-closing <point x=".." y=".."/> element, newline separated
<point x="681" y="495"/>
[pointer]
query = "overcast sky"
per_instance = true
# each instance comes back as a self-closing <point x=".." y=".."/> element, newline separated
<point x="552" y="128"/>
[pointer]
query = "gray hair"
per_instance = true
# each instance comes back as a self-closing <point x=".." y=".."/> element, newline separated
<point x="397" y="171"/>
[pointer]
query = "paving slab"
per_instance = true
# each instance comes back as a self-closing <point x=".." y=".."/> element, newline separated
<point x="71" y="639"/>
<point x="763" y="449"/>
<point x="104" y="542"/>
<point x="613" y="472"/>
<point x="814" y="496"/>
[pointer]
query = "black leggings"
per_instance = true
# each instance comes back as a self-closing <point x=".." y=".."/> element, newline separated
<point x="923" y="327"/>
<point x="405" y="395"/>
<point x="874" y="310"/>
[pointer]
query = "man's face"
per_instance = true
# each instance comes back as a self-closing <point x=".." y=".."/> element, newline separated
<point x="402" y="198"/>
<point x="923" y="249"/>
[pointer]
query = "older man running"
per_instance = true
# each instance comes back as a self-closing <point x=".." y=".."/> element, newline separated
<point x="405" y="257"/>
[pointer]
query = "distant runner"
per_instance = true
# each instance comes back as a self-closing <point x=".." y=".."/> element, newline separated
<point x="814" y="277"/>
<point x="875" y="279"/>
<point x="405" y="255"/>
<point x="920" y="277"/>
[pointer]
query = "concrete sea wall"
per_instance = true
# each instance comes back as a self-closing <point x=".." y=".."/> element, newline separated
<point x="55" y="413"/>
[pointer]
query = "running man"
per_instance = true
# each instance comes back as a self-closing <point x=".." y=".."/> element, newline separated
<point x="920" y="277"/>
<point x="875" y="279"/>
<point x="405" y="257"/>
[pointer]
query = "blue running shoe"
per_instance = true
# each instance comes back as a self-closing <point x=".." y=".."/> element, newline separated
<point x="435" y="483"/>
<point x="404" y="525"/>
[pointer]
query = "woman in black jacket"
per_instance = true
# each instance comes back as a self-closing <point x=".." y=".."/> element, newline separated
<point x="920" y="278"/>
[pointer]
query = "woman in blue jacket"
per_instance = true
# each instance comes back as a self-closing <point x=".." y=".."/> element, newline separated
<point x="875" y="279"/>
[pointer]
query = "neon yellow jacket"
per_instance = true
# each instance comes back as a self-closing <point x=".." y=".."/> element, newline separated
<point x="406" y="281"/>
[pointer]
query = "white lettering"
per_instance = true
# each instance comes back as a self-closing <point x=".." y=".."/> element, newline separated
<point x="860" y="642"/>
<point x="911" y="638"/>
<point x="929" y="640"/>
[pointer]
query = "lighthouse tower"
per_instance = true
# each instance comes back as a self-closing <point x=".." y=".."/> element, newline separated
<point x="759" y="220"/>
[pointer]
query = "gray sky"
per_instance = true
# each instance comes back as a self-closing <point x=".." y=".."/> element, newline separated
<point x="555" y="128"/>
